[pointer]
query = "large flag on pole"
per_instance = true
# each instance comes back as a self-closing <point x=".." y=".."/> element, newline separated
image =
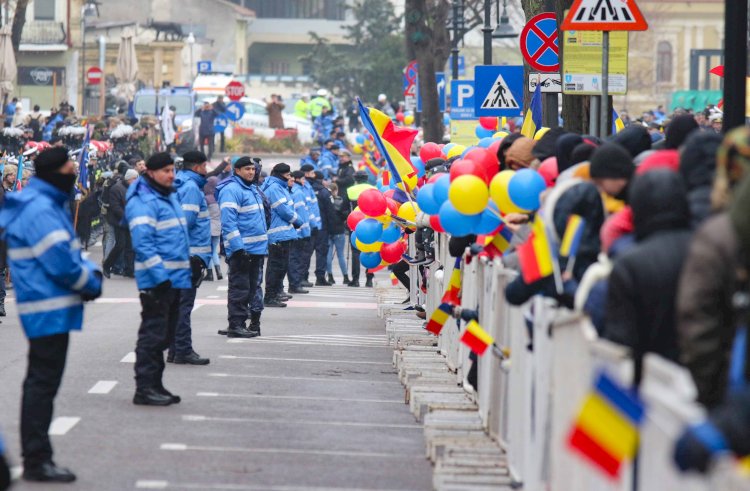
<point x="393" y="142"/>
<point x="533" y="120"/>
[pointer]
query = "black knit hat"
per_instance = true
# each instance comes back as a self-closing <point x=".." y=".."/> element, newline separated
<point x="194" y="157"/>
<point x="307" y="168"/>
<point x="679" y="129"/>
<point x="243" y="162"/>
<point x="612" y="161"/>
<point x="298" y="174"/>
<point x="159" y="161"/>
<point x="280" y="169"/>
<point x="50" y="160"/>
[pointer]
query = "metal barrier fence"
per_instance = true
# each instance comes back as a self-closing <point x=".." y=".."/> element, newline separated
<point x="529" y="402"/>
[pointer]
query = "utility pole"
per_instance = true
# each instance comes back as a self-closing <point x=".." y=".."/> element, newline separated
<point x="458" y="34"/>
<point x="487" y="31"/>
<point x="735" y="63"/>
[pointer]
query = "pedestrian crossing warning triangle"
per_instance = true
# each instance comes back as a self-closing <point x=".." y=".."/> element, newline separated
<point x="500" y="96"/>
<point x="604" y="15"/>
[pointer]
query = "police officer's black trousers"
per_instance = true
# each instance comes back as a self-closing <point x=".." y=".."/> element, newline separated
<point x="309" y="251"/>
<point x="158" y="324"/>
<point x="298" y="260"/>
<point x="321" y="254"/>
<point x="401" y="271"/>
<point x="47" y="357"/>
<point x="182" y="344"/>
<point x="278" y="264"/>
<point x="122" y="246"/>
<point x="243" y="285"/>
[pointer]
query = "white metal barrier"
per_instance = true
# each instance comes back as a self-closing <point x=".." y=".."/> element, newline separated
<point x="529" y="402"/>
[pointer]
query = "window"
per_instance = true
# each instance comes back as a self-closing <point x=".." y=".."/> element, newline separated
<point x="44" y="9"/>
<point x="298" y="9"/>
<point x="664" y="62"/>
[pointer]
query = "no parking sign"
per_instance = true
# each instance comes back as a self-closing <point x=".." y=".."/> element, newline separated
<point x="539" y="43"/>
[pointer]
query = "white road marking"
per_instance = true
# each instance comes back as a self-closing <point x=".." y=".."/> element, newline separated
<point x="285" y="451"/>
<point x="103" y="387"/>
<point x="197" y="418"/>
<point x="197" y="306"/>
<point x="304" y="343"/>
<point x="151" y="484"/>
<point x="173" y="446"/>
<point x="244" y="487"/>
<point x="213" y="296"/>
<point x="333" y="362"/>
<point x="16" y="472"/>
<point x="222" y="288"/>
<point x="310" y="379"/>
<point x="63" y="424"/>
<point x="129" y="358"/>
<point x="298" y="398"/>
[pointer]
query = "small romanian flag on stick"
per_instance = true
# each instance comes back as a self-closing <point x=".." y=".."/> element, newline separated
<point x="454" y="285"/>
<point x="606" y="431"/>
<point x="500" y="243"/>
<point x="476" y="338"/>
<point x="439" y="318"/>
<point x="572" y="238"/>
<point x="536" y="255"/>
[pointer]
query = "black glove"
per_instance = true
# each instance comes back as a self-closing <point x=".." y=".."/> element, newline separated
<point x="296" y="226"/>
<point x="697" y="446"/>
<point x="89" y="297"/>
<point x="197" y="271"/>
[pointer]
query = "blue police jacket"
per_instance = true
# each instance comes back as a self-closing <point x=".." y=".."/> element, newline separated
<point x="283" y="217"/>
<point x="299" y="198"/>
<point x="49" y="273"/>
<point x="329" y="163"/>
<point x="160" y="237"/>
<point x="312" y="206"/>
<point x="307" y="159"/>
<point x="189" y="187"/>
<point x="243" y="217"/>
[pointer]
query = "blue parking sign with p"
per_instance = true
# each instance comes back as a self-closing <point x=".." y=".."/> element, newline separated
<point x="462" y="99"/>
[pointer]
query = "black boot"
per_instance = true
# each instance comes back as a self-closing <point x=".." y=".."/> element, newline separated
<point x="241" y="332"/>
<point x="151" y="397"/>
<point x="321" y="281"/>
<point x="330" y="279"/>
<point x="209" y="275"/>
<point x="191" y="358"/>
<point x="354" y="284"/>
<point x="346" y="279"/>
<point x="2" y="310"/>
<point x="48" y="472"/>
<point x="219" y="276"/>
<point x="368" y="283"/>
<point x="255" y="323"/>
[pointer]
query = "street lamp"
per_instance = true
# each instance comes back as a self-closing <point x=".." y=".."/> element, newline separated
<point x="191" y="42"/>
<point x="504" y="30"/>
<point x="458" y="29"/>
<point x="88" y="9"/>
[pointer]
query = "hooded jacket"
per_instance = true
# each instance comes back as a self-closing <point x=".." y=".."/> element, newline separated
<point x="160" y="238"/>
<point x="243" y="217"/>
<point x="283" y="217"/>
<point x="698" y="169"/>
<point x="564" y="149"/>
<point x="643" y="285"/>
<point x="299" y="200"/>
<point x="635" y="139"/>
<point x="189" y="186"/>
<point x="49" y="273"/>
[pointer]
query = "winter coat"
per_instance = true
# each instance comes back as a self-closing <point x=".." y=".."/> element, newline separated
<point x="698" y="168"/>
<point x="214" y="213"/>
<point x="324" y="202"/>
<point x="116" y="209"/>
<point x="160" y="237"/>
<point x="283" y="217"/>
<point x="307" y="159"/>
<point x="329" y="164"/>
<point x="189" y="186"/>
<point x="345" y="180"/>
<point x="49" y="272"/>
<point x="206" y="122"/>
<point x="299" y="198"/>
<point x="313" y="207"/>
<point x="243" y="219"/>
<point x="339" y="214"/>
<point x="642" y="290"/>
<point x="275" y="117"/>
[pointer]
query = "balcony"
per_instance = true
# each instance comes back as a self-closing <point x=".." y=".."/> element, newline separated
<point x="43" y="34"/>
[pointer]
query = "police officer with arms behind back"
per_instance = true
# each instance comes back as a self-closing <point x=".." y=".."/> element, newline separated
<point x="243" y="225"/>
<point x="52" y="281"/>
<point x="300" y="251"/>
<point x="162" y="270"/>
<point x="189" y="185"/>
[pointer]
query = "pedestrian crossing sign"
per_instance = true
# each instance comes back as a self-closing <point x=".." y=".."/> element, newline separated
<point x="604" y="15"/>
<point x="499" y="90"/>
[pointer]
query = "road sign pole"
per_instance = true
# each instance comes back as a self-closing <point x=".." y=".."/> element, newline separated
<point x="594" y="115"/>
<point x="735" y="63"/>
<point x="487" y="30"/>
<point x="604" y="112"/>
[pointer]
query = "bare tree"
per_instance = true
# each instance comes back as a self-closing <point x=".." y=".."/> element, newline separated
<point x="19" y="19"/>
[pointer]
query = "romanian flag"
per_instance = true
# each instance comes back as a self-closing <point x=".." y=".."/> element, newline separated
<point x="572" y="238"/>
<point x="477" y="338"/>
<point x="617" y="124"/>
<point x="536" y="255"/>
<point x="533" y="119"/>
<point x="393" y="142"/>
<point x="606" y="431"/>
<point x="439" y="318"/>
<point x="500" y="243"/>
<point x="454" y="285"/>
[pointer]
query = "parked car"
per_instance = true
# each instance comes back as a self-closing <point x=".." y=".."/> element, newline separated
<point x="151" y="102"/>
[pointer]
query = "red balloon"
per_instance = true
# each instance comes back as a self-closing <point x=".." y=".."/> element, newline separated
<point x="372" y="203"/>
<point x="393" y="206"/>
<point x="400" y="117"/>
<point x="354" y="218"/>
<point x="391" y="253"/>
<point x="467" y="167"/>
<point x="488" y="122"/>
<point x="435" y="223"/>
<point x="389" y="193"/>
<point x="548" y="170"/>
<point x="435" y="178"/>
<point x="495" y="147"/>
<point x="430" y="151"/>
<point x="484" y="159"/>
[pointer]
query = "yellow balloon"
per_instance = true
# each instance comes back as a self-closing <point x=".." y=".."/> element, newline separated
<point x="499" y="193"/>
<point x="385" y="219"/>
<point x="456" y="151"/>
<point x="500" y="134"/>
<point x="469" y="194"/>
<point x="357" y="148"/>
<point x="374" y="247"/>
<point x="539" y="134"/>
<point x="409" y="120"/>
<point x="408" y="211"/>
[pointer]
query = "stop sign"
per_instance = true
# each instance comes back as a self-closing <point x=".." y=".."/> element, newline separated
<point x="235" y="90"/>
<point x="94" y="75"/>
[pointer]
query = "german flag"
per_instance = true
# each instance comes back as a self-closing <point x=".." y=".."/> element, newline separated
<point x="476" y="338"/>
<point x="439" y="318"/>
<point x="451" y="295"/>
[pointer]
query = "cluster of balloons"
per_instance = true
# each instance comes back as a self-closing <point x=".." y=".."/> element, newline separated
<point x="362" y="144"/>
<point x="374" y="233"/>
<point x="474" y="196"/>
<point x="405" y="118"/>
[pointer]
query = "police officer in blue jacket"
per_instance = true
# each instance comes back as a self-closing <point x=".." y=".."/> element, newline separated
<point x="315" y="220"/>
<point x="329" y="159"/>
<point x="243" y="226"/>
<point x="189" y="185"/>
<point x="284" y="222"/>
<point x="311" y="158"/>
<point x="162" y="270"/>
<point x="299" y="253"/>
<point x="53" y="281"/>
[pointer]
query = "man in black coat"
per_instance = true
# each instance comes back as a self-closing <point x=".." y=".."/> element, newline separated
<point x="115" y="216"/>
<point x="642" y="292"/>
<point x="325" y="204"/>
<point x="345" y="176"/>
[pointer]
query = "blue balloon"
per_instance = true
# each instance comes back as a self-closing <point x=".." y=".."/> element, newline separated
<point x="489" y="221"/>
<point x="419" y="165"/>
<point x="369" y="231"/>
<point x="361" y="139"/>
<point x="447" y="148"/>
<point x="370" y="259"/>
<point x="446" y="119"/>
<point x="426" y="200"/>
<point x="353" y="238"/>
<point x="440" y="192"/>
<point x="391" y="234"/>
<point x="486" y="142"/>
<point x="483" y="132"/>
<point x="525" y="187"/>
<point x="455" y="223"/>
